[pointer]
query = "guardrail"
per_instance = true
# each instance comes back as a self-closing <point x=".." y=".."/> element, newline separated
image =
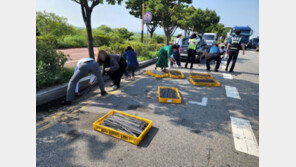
<point x="46" y="95"/>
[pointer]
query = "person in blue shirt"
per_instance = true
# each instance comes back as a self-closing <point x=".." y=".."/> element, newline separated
<point x="214" y="54"/>
<point x="132" y="62"/>
<point x="233" y="47"/>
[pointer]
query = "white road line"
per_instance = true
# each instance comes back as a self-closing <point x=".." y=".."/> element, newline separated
<point x="204" y="102"/>
<point x="232" y="92"/>
<point x="227" y="76"/>
<point x="243" y="136"/>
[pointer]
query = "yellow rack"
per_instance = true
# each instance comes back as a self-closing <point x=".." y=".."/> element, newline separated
<point x="157" y="75"/>
<point x="181" y="76"/>
<point x="205" y="82"/>
<point x="200" y="75"/>
<point x="169" y="100"/>
<point x="120" y="135"/>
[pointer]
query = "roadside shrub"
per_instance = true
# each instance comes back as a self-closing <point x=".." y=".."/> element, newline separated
<point x="159" y="39"/>
<point x="100" y="40"/>
<point x="50" y="69"/>
<point x="76" y="41"/>
<point x="105" y="48"/>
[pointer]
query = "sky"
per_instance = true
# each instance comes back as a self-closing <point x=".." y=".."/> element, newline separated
<point x="231" y="12"/>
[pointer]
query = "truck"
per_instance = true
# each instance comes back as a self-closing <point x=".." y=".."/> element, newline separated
<point x="209" y="38"/>
<point x="246" y="32"/>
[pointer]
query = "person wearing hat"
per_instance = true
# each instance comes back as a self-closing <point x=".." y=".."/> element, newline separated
<point x="165" y="54"/>
<point x="214" y="54"/>
<point x="233" y="47"/>
<point x="176" y="54"/>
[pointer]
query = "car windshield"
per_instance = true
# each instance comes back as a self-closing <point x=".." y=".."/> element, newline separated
<point x="209" y="37"/>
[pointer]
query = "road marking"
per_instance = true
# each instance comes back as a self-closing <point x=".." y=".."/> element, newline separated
<point x="62" y="116"/>
<point x="202" y="103"/>
<point x="227" y="76"/>
<point x="53" y="122"/>
<point x="232" y="92"/>
<point x="243" y="136"/>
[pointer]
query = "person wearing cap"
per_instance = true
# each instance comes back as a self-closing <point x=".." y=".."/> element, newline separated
<point x="214" y="54"/>
<point x="84" y="67"/>
<point x="192" y="45"/>
<point x="233" y="47"/>
<point x="176" y="54"/>
<point x="165" y="54"/>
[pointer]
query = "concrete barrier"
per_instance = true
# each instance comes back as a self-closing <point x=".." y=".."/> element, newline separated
<point x="46" y="95"/>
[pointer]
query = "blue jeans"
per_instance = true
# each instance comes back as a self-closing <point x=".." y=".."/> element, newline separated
<point x="176" y="55"/>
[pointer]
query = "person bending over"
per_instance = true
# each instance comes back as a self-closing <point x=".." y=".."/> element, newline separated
<point x="165" y="54"/>
<point x="84" y="67"/>
<point x="132" y="62"/>
<point x="113" y="65"/>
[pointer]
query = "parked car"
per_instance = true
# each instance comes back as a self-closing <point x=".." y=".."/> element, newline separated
<point x="201" y="49"/>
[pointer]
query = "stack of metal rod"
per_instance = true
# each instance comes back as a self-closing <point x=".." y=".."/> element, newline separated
<point x="168" y="93"/>
<point x="202" y="75"/>
<point x="125" y="124"/>
<point x="175" y="73"/>
<point x="204" y="80"/>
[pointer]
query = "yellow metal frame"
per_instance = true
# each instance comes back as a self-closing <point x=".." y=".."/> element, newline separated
<point x="120" y="135"/>
<point x="209" y="76"/>
<point x="169" y="100"/>
<point x="216" y="84"/>
<point x="157" y="75"/>
<point x="176" y="76"/>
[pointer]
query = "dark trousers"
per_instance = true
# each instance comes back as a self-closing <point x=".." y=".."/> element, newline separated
<point x="213" y="56"/>
<point x="132" y="69"/>
<point x="176" y="55"/>
<point x="190" y="57"/>
<point x="116" y="75"/>
<point x="232" y="56"/>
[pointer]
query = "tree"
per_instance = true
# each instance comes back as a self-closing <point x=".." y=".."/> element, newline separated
<point x="52" y="24"/>
<point x="204" y="20"/>
<point x="87" y="7"/>
<point x="185" y="23"/>
<point x="169" y="11"/>
<point x="135" y="9"/>
<point x="123" y="33"/>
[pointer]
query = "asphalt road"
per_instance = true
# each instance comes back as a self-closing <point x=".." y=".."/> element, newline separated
<point x="182" y="134"/>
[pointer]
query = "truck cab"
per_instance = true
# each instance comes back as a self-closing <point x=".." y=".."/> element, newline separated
<point x="209" y="38"/>
<point x="246" y="32"/>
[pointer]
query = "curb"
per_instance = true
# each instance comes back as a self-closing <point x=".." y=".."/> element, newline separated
<point x="46" y="95"/>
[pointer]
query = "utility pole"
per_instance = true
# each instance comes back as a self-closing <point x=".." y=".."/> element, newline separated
<point x="142" y="33"/>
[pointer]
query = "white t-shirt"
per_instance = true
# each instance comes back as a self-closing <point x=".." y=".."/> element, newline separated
<point x="178" y="41"/>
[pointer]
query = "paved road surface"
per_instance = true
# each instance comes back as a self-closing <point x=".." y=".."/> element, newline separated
<point x="224" y="132"/>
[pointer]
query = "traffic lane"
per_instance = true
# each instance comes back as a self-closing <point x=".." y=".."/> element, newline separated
<point x="171" y="119"/>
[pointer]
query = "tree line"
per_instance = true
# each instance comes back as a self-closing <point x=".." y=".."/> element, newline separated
<point x="168" y="14"/>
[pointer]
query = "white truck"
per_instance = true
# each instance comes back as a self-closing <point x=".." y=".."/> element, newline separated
<point x="209" y="38"/>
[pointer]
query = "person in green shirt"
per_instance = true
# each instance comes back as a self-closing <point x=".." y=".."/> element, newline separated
<point x="164" y="54"/>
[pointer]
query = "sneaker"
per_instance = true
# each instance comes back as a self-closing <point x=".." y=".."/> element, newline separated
<point x="216" y="70"/>
<point x="230" y="70"/>
<point x="104" y="93"/>
<point x="180" y="66"/>
<point x="77" y="94"/>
